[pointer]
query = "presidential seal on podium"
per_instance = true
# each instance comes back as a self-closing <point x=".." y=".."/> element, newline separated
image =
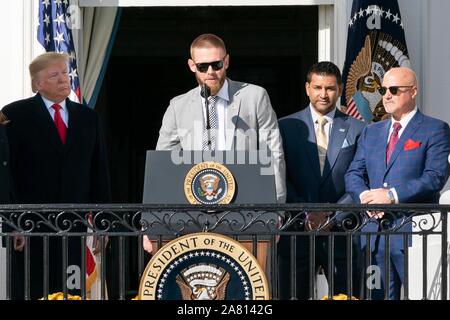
<point x="209" y="183"/>
<point x="203" y="266"/>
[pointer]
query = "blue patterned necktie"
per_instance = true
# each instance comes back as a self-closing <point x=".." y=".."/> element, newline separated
<point x="214" y="124"/>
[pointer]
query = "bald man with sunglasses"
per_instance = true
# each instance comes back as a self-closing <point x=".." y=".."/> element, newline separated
<point x="242" y="110"/>
<point x="403" y="159"/>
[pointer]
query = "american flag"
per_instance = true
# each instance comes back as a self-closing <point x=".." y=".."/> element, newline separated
<point x="352" y="110"/>
<point x="54" y="34"/>
<point x="375" y="43"/>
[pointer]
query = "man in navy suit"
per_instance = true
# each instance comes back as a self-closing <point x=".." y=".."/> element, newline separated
<point x="4" y="162"/>
<point x="401" y="160"/>
<point x="319" y="144"/>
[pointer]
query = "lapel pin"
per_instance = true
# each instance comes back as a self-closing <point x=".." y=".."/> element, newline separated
<point x="342" y="130"/>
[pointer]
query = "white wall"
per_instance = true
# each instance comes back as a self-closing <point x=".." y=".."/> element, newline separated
<point x="12" y="53"/>
<point x="18" y="27"/>
<point x="436" y="62"/>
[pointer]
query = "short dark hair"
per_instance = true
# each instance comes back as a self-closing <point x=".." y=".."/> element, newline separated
<point x="208" y="40"/>
<point x="324" y="68"/>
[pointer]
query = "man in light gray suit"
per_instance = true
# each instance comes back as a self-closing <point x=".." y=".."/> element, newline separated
<point x="240" y="114"/>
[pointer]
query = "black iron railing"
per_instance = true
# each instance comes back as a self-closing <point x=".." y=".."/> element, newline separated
<point x="289" y="251"/>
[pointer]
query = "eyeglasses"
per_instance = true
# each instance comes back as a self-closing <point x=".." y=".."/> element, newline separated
<point x="204" y="66"/>
<point x="392" y="89"/>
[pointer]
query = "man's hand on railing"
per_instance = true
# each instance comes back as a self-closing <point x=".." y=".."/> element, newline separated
<point x="96" y="243"/>
<point x="375" y="196"/>
<point x="19" y="243"/>
<point x="147" y="244"/>
<point x="316" y="220"/>
<point x="376" y="214"/>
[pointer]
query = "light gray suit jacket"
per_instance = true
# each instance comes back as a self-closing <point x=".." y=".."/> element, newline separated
<point x="251" y="125"/>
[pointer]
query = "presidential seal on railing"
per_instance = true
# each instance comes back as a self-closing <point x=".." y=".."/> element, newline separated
<point x="209" y="183"/>
<point x="203" y="266"/>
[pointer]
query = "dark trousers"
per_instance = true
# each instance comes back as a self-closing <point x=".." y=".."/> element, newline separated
<point x="303" y="284"/>
<point x="36" y="271"/>
<point x="376" y="272"/>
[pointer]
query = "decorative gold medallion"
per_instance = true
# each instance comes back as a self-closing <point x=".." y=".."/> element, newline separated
<point x="203" y="266"/>
<point x="209" y="183"/>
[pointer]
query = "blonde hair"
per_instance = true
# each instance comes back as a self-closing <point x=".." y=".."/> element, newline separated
<point x="208" y="40"/>
<point x="43" y="61"/>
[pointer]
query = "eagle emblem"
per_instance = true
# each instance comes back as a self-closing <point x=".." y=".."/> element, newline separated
<point x="379" y="53"/>
<point x="209" y="184"/>
<point x="203" y="282"/>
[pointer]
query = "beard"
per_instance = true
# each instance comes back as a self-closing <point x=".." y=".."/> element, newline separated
<point x="213" y="84"/>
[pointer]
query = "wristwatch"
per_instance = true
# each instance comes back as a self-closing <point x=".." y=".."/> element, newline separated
<point x="391" y="196"/>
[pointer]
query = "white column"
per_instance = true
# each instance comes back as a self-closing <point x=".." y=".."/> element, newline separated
<point x="342" y="10"/>
<point x="326" y="26"/>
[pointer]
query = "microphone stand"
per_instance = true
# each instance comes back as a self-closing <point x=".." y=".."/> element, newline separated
<point x="205" y="92"/>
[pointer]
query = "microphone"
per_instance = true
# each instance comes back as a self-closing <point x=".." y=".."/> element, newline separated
<point x="205" y="92"/>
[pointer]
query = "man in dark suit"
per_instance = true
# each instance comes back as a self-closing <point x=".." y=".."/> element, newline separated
<point x="319" y="144"/>
<point x="4" y="161"/>
<point x="400" y="160"/>
<point x="58" y="155"/>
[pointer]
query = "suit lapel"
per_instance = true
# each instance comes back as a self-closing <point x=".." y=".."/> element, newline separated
<point x="197" y="113"/>
<point x="45" y="121"/>
<point x="407" y="133"/>
<point x="380" y="148"/>
<point x="73" y="124"/>
<point x="336" y="140"/>
<point x="195" y="120"/>
<point x="310" y="142"/>
<point x="232" y="112"/>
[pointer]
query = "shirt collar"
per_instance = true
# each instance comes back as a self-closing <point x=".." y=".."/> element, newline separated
<point x="315" y="115"/>
<point x="404" y="122"/>
<point x="223" y="92"/>
<point x="49" y="103"/>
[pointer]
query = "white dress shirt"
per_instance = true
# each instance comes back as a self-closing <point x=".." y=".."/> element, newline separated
<point x="63" y="111"/>
<point x="404" y="122"/>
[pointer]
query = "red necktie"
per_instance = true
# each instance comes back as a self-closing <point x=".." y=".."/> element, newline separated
<point x="59" y="123"/>
<point x="392" y="140"/>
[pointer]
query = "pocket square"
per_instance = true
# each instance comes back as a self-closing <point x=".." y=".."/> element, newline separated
<point x="345" y="144"/>
<point x="411" y="145"/>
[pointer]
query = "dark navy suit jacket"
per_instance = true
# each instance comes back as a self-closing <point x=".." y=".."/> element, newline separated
<point x="418" y="168"/>
<point x="303" y="178"/>
<point x="4" y="166"/>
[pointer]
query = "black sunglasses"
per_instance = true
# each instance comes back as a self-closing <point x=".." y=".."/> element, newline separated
<point x="204" y="66"/>
<point x="392" y="89"/>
